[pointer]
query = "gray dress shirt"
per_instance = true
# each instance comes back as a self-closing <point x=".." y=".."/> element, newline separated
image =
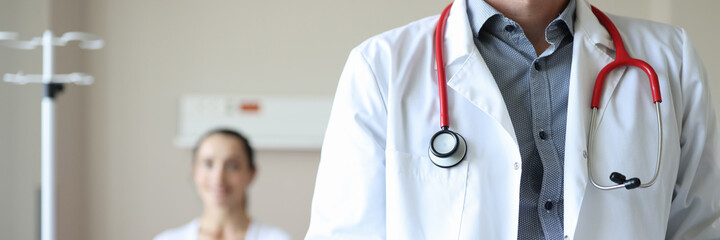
<point x="535" y="90"/>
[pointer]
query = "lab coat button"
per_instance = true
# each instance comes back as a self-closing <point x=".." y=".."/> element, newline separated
<point x="585" y="154"/>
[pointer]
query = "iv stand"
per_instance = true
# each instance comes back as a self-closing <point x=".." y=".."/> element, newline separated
<point x="53" y="84"/>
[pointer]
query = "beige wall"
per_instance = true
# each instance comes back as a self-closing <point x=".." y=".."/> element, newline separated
<point x="121" y="176"/>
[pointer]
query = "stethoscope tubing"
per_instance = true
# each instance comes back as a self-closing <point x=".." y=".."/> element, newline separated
<point x="442" y="84"/>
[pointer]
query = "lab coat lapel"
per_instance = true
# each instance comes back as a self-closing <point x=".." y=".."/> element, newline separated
<point x="467" y="73"/>
<point x="592" y="50"/>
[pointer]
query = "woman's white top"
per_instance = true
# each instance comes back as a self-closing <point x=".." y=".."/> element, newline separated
<point x="255" y="231"/>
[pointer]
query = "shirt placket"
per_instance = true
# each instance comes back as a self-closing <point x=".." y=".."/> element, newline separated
<point x="541" y="103"/>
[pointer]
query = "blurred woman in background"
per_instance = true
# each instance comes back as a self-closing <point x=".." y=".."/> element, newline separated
<point x="223" y="168"/>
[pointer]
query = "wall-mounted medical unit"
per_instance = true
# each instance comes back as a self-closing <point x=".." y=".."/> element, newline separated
<point x="272" y="122"/>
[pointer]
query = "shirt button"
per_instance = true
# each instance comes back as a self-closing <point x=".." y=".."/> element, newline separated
<point x="548" y="205"/>
<point x="516" y="165"/>
<point x="537" y="66"/>
<point x="543" y="135"/>
<point x="509" y="28"/>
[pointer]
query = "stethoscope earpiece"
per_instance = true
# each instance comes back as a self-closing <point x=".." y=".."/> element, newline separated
<point x="617" y="177"/>
<point x="620" y="179"/>
<point x="447" y="148"/>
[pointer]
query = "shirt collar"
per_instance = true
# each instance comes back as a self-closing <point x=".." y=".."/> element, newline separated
<point x="479" y="12"/>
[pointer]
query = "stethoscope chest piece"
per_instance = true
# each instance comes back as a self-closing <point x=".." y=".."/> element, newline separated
<point x="447" y="148"/>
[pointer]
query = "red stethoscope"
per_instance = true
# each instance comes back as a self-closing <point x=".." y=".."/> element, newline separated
<point x="448" y="148"/>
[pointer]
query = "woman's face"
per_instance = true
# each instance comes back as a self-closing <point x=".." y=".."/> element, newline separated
<point x="222" y="171"/>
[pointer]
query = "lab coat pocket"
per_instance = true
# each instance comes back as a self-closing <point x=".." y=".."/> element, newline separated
<point x="422" y="199"/>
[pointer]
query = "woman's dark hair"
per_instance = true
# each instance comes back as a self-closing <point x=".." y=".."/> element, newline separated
<point x="233" y="134"/>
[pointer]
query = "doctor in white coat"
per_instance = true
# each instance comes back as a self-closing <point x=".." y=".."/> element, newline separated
<point x="375" y="180"/>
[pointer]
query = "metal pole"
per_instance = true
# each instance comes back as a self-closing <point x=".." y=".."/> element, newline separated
<point x="48" y="143"/>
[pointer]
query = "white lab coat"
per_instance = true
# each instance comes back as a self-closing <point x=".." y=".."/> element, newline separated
<point x="375" y="180"/>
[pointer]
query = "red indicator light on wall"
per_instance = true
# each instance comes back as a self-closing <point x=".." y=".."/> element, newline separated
<point x="251" y="107"/>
